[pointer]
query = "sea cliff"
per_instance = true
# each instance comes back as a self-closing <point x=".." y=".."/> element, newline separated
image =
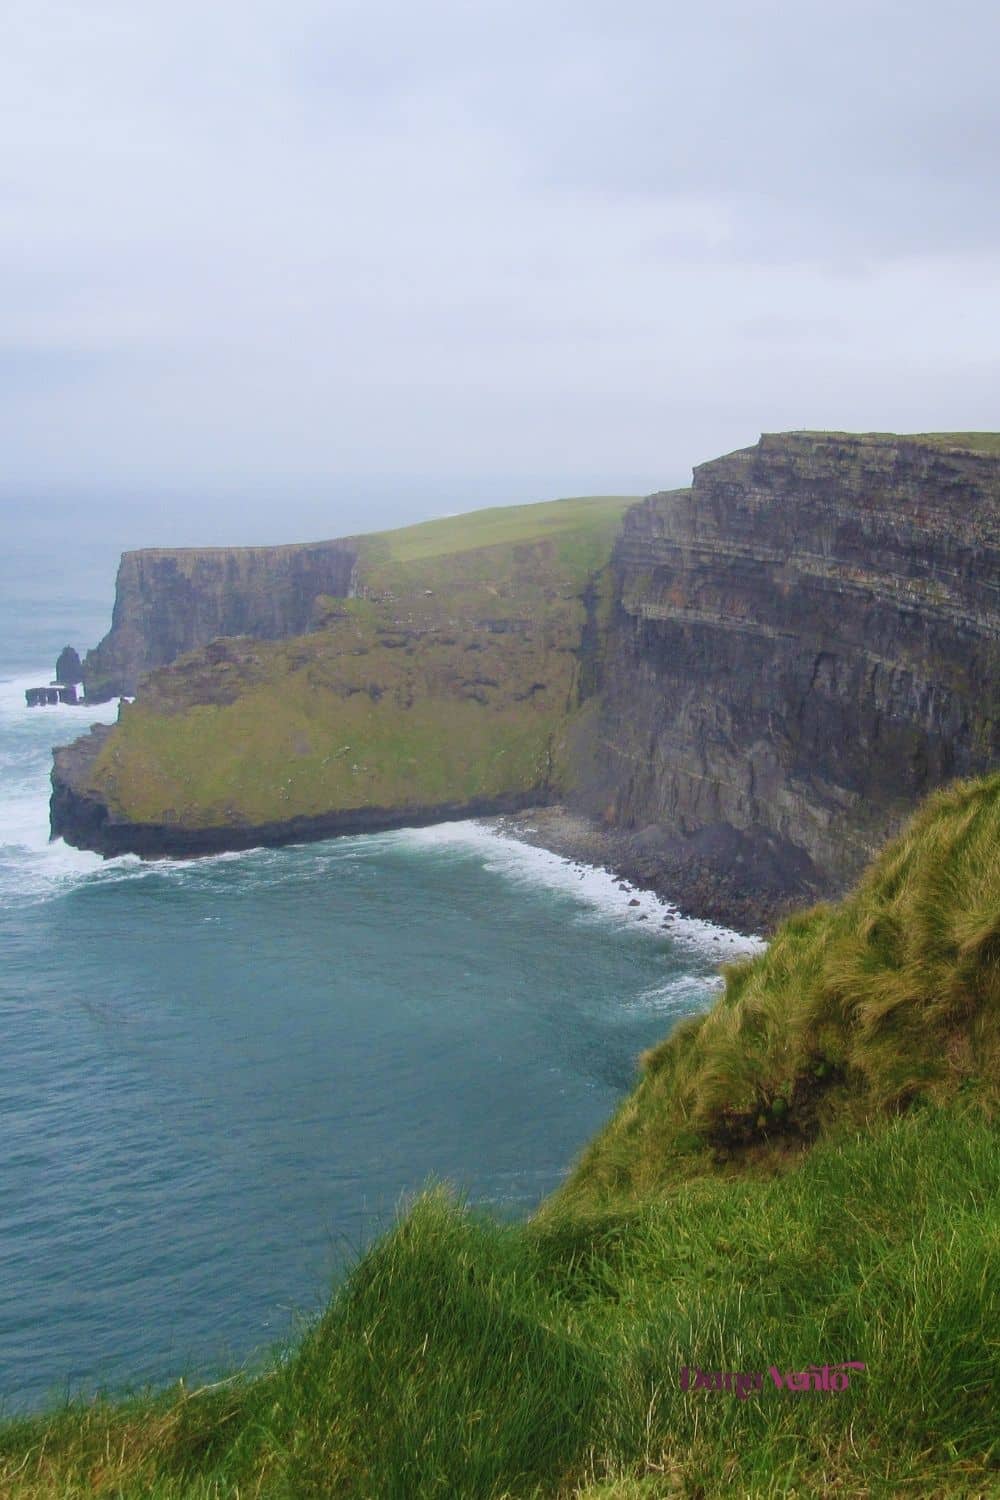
<point x="802" y="645"/>
<point x="441" y="688"/>
<point x="739" y="689"/>
<point x="172" y="600"/>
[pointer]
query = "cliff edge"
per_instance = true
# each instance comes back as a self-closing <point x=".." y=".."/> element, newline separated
<point x="778" y="1258"/>
<point x="172" y="600"/>
<point x="802" y="645"/>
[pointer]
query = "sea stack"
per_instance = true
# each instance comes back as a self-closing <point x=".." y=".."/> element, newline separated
<point x="69" y="668"/>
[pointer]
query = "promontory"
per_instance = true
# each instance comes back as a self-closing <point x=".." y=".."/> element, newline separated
<point x="738" y="690"/>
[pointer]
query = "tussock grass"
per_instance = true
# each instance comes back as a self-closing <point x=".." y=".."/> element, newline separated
<point x="467" y="1358"/>
<point x="858" y="1010"/>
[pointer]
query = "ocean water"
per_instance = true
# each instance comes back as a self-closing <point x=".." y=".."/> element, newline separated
<point x="220" y="1078"/>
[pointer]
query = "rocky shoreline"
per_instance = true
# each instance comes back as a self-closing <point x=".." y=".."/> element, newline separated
<point x="745" y="881"/>
<point x="751" y="897"/>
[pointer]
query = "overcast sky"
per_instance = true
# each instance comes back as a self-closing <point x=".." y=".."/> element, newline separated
<point x="277" y="268"/>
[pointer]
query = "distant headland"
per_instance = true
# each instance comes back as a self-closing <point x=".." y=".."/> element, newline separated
<point x="737" y="690"/>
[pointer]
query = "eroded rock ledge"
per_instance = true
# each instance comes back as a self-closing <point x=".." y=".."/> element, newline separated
<point x="85" y="820"/>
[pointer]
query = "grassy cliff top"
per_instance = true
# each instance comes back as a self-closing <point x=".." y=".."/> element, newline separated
<point x="972" y="442"/>
<point x="448" y="679"/>
<point x="975" y="442"/>
<point x="502" y="526"/>
<point x="447" y="535"/>
<point x="223" y="550"/>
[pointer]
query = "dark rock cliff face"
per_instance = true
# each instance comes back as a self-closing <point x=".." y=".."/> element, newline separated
<point x="170" y="600"/>
<point x="803" y="644"/>
<point x="71" y="807"/>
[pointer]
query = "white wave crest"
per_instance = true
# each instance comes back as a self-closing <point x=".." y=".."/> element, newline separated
<point x="594" y="889"/>
<point x="31" y="866"/>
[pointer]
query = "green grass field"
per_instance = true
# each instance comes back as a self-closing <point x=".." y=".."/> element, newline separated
<point x="464" y="1358"/>
<point x="590" y="517"/>
<point x="706" y="1228"/>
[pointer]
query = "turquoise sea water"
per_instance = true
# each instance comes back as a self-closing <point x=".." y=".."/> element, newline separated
<point x="220" y="1078"/>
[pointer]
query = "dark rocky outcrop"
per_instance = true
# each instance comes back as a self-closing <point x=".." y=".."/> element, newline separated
<point x="803" y="644"/>
<point x="171" y="600"/>
<point x="71" y="806"/>
<point x="49" y="695"/>
<point x="69" y="668"/>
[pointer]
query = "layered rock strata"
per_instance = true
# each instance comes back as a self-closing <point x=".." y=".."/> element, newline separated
<point x="802" y="645"/>
<point x="171" y="600"/>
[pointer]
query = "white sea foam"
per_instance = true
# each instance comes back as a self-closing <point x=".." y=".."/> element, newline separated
<point x="595" y="890"/>
<point x="31" y="865"/>
<point x="684" y="994"/>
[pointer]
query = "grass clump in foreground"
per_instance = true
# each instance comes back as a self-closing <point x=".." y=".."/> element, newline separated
<point x="466" y="1358"/>
<point x="854" y="1011"/>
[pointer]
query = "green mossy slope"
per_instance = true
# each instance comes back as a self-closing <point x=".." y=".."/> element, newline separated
<point x="853" y="1012"/>
<point x="971" y="442"/>
<point x="450" y="678"/>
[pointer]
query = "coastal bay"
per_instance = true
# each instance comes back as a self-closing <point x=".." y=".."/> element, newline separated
<point x="221" y="1077"/>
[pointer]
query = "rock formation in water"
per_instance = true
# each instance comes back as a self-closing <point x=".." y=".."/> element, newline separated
<point x="69" y="669"/>
<point x="171" y="600"/>
<point x="772" y="667"/>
